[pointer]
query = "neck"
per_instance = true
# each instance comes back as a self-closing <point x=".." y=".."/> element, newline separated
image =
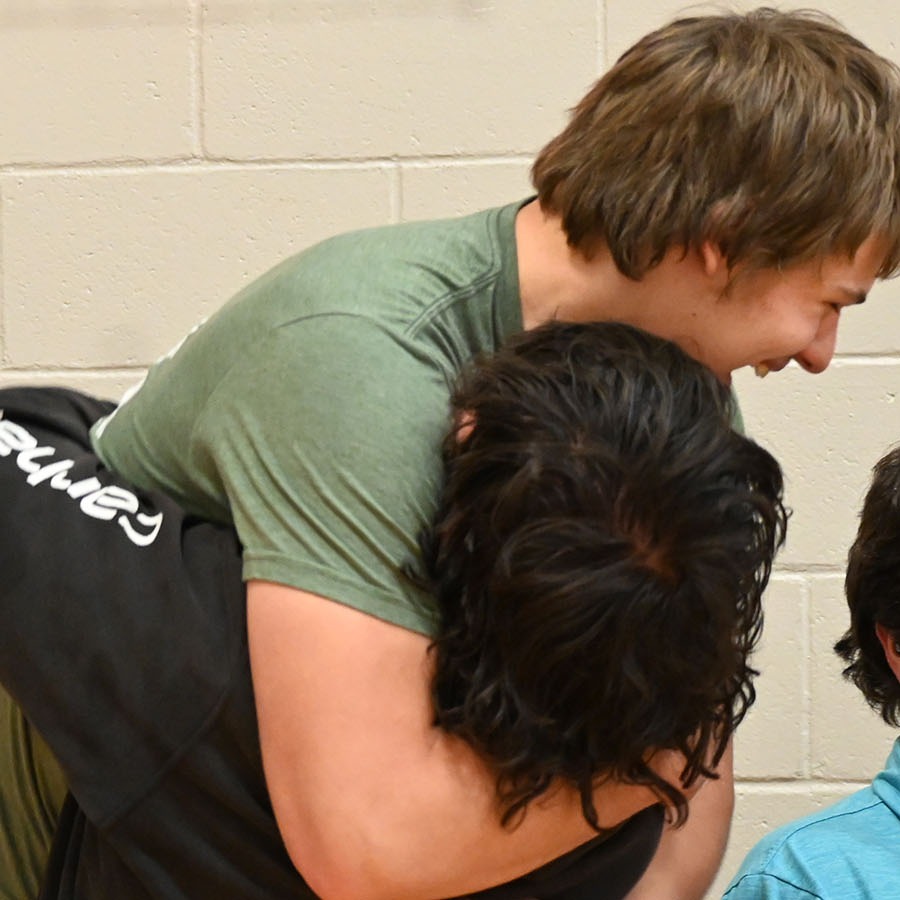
<point x="557" y="282"/>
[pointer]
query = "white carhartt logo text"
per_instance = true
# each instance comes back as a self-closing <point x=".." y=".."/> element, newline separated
<point x="107" y="502"/>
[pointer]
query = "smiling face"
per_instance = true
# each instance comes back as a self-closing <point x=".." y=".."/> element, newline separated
<point x="765" y="318"/>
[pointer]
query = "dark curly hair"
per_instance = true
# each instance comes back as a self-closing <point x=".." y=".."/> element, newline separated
<point x="872" y="586"/>
<point x="603" y="540"/>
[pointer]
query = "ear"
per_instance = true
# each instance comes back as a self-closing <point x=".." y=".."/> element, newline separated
<point x="891" y="646"/>
<point x="465" y="425"/>
<point x="714" y="262"/>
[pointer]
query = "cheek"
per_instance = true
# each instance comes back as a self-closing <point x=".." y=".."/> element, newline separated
<point x="791" y="325"/>
<point x="821" y="325"/>
<point x="793" y="336"/>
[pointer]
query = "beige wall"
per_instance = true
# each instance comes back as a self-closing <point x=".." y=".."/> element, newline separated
<point x="157" y="154"/>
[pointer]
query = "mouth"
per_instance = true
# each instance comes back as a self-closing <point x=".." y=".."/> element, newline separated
<point x="761" y="369"/>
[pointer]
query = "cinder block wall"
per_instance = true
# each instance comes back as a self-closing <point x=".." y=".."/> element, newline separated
<point x="155" y="155"/>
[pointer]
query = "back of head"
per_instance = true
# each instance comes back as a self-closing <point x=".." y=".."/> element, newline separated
<point x="873" y="590"/>
<point x="599" y="555"/>
<point x="773" y="135"/>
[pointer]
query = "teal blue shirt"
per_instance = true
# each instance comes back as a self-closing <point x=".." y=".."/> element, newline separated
<point x="848" y="851"/>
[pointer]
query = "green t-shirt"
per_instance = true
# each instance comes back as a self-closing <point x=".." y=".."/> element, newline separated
<point x="309" y="411"/>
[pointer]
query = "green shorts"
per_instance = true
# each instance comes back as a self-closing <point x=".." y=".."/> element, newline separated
<point x="32" y="790"/>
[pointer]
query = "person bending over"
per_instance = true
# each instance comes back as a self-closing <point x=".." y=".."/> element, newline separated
<point x="598" y="554"/>
<point x="852" y="848"/>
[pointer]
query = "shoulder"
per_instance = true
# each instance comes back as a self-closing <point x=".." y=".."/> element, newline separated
<point x="451" y="283"/>
<point x="827" y="855"/>
<point x="457" y="249"/>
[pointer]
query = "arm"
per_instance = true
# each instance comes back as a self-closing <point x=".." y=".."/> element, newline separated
<point x="372" y="801"/>
<point x="688" y="858"/>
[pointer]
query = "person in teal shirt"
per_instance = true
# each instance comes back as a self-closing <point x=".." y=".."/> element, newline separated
<point x="852" y="848"/>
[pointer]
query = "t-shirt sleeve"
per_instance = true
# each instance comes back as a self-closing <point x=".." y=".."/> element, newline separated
<point x="763" y="875"/>
<point x="327" y="441"/>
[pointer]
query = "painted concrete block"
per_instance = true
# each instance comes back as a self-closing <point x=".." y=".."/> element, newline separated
<point x="113" y="269"/>
<point x="337" y="80"/>
<point x="91" y="82"/>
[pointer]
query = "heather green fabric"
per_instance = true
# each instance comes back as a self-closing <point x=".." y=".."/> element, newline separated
<point x="310" y="409"/>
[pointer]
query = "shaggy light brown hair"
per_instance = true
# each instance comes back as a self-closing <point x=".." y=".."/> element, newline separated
<point x="773" y="135"/>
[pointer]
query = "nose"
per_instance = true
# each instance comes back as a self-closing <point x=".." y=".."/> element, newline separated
<point x="817" y="355"/>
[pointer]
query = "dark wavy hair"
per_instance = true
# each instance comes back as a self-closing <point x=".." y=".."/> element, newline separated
<point x="872" y="586"/>
<point x="602" y="543"/>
